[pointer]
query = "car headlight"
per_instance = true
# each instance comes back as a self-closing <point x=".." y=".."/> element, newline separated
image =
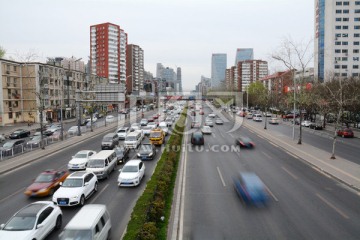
<point x="151" y="154"/>
<point x="42" y="190"/>
<point x="138" y="155"/>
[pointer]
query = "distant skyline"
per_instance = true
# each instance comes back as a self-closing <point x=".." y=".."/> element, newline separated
<point x="178" y="33"/>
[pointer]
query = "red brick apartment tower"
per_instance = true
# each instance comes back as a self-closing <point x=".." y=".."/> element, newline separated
<point x="107" y="47"/>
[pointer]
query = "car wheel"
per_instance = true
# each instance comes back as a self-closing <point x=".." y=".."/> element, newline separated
<point x="82" y="200"/>
<point x="109" y="234"/>
<point x="58" y="222"/>
<point x="96" y="187"/>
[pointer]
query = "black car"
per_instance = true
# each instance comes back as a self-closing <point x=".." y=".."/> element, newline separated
<point x="20" y="133"/>
<point x="316" y="126"/>
<point x="147" y="151"/>
<point x="197" y="138"/>
<point x="244" y="142"/>
<point x="122" y="154"/>
<point x="12" y="147"/>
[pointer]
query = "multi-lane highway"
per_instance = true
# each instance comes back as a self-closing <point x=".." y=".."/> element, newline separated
<point x="305" y="204"/>
<point x="119" y="201"/>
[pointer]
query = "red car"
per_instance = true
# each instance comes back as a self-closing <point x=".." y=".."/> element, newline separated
<point x="201" y="112"/>
<point x="345" y="132"/>
<point x="46" y="183"/>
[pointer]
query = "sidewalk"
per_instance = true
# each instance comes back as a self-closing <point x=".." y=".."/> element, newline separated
<point x="339" y="168"/>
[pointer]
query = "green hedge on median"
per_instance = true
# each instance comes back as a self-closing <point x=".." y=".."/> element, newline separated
<point x="146" y="219"/>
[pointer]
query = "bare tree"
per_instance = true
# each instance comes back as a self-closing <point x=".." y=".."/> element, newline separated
<point x="295" y="56"/>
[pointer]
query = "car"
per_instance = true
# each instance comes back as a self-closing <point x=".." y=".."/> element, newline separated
<point x="147" y="151"/>
<point x="94" y="119"/>
<point x="57" y="135"/>
<point x="150" y="119"/>
<point x="153" y="124"/>
<point x="34" y="142"/>
<point x="77" y="187"/>
<point x="12" y="147"/>
<point x="206" y="130"/>
<point x="197" y="138"/>
<point x="2" y="137"/>
<point x="212" y="115"/>
<point x="80" y="160"/>
<point x="267" y="114"/>
<point x="195" y="124"/>
<point x="257" y="118"/>
<point x="46" y="183"/>
<point x="249" y="115"/>
<point x="305" y="123"/>
<point x="316" y="126"/>
<point x="122" y="132"/>
<point x="19" y="133"/>
<point x="169" y="121"/>
<point x="209" y="122"/>
<point x="164" y="127"/>
<point x="131" y="174"/>
<point x="345" y="132"/>
<point x="52" y="129"/>
<point x="274" y="121"/>
<point x="244" y="142"/>
<point x="219" y="121"/>
<point x="122" y="154"/>
<point x="297" y="121"/>
<point x="201" y="112"/>
<point x="110" y="141"/>
<point x="73" y="130"/>
<point x="34" y="221"/>
<point x="147" y="129"/>
<point x="110" y="118"/>
<point x="144" y="122"/>
<point x="251" y="189"/>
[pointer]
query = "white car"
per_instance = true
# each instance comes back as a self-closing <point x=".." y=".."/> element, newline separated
<point x="110" y="118"/>
<point x="147" y="130"/>
<point x="131" y="174"/>
<point x="73" y="130"/>
<point x="257" y="118"/>
<point x="122" y="132"/>
<point x="153" y="124"/>
<point x="77" y="187"/>
<point x="249" y="115"/>
<point x="34" y="221"/>
<point x="212" y="115"/>
<point x="206" y="130"/>
<point x="80" y="160"/>
<point x="144" y="122"/>
<point x="209" y="122"/>
<point x="305" y="123"/>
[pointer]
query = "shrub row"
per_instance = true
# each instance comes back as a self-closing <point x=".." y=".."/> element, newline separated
<point x="151" y="213"/>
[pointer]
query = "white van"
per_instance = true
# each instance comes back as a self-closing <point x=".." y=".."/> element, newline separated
<point x="91" y="222"/>
<point x="133" y="139"/>
<point x="102" y="163"/>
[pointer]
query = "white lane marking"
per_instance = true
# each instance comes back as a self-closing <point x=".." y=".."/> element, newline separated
<point x="332" y="206"/>
<point x="221" y="177"/>
<point x="99" y="193"/>
<point x="266" y="155"/>
<point x="231" y="135"/>
<point x="273" y="196"/>
<point x="10" y="196"/>
<point x="290" y="173"/>
<point x="293" y="155"/>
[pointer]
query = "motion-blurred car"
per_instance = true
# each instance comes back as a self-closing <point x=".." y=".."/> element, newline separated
<point x="131" y="174"/>
<point x="274" y="121"/>
<point x="219" y="121"/>
<point x="20" y="133"/>
<point x="12" y="147"/>
<point x="46" y="183"/>
<point x="73" y="130"/>
<point x="80" y="160"/>
<point x="197" y="138"/>
<point x="110" y="118"/>
<point x="316" y="126"/>
<point x="206" y="130"/>
<point x="34" y="142"/>
<point x="34" y="221"/>
<point x="147" y="151"/>
<point x="122" y="154"/>
<point x="209" y="122"/>
<point x="52" y="129"/>
<point x="251" y="189"/>
<point x="345" y="132"/>
<point x="57" y="135"/>
<point x="244" y="142"/>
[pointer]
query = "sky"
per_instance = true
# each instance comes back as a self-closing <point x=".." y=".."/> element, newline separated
<point x="176" y="33"/>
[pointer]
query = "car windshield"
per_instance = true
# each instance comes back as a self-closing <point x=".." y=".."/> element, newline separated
<point x="17" y="132"/>
<point x="122" y="131"/>
<point x="36" y="138"/>
<point x="145" y="148"/>
<point x="8" y="145"/>
<point x="107" y="139"/>
<point x="129" y="168"/>
<point x="73" y="182"/>
<point x="80" y="155"/>
<point x="130" y="138"/>
<point x="119" y="151"/>
<point x="96" y="163"/>
<point x="21" y="222"/>
<point x="43" y="178"/>
<point x="155" y="134"/>
<point x="72" y="234"/>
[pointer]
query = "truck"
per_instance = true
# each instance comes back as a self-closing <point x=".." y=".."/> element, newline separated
<point x="157" y="136"/>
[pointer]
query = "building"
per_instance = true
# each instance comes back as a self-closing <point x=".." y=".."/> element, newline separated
<point x="169" y="78"/>
<point x="337" y="39"/>
<point x="178" y="80"/>
<point x="108" y="52"/>
<point x="250" y="71"/>
<point x="218" y="68"/>
<point x="243" y="54"/>
<point x="135" y="69"/>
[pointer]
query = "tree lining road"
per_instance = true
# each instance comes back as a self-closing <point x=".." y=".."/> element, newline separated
<point x="310" y="205"/>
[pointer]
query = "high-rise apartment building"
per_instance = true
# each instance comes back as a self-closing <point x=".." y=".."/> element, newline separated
<point x="135" y="69"/>
<point x="250" y="71"/>
<point x="244" y="54"/>
<point x="108" y="52"/>
<point x="337" y="39"/>
<point x="218" y="68"/>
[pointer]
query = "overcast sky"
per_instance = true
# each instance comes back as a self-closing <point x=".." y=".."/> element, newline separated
<point x="176" y="33"/>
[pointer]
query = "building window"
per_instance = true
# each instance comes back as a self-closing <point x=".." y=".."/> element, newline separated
<point x="344" y="66"/>
<point x="345" y="43"/>
<point x="345" y="19"/>
<point x="357" y="11"/>
<point x="355" y="66"/>
<point x="345" y="27"/>
<point x="338" y="19"/>
<point x="338" y="35"/>
<point x="357" y="43"/>
<point x="344" y="51"/>
<point x="337" y="51"/>
<point x="346" y="11"/>
<point x="356" y="51"/>
<point x="355" y="74"/>
<point x="355" y="59"/>
<point x="357" y="19"/>
<point x="338" y="11"/>
<point x="337" y="27"/>
<point x="357" y="2"/>
<point x="346" y="3"/>
<point x="338" y="3"/>
<point x="356" y="35"/>
<point x="344" y="59"/>
<point x="344" y="74"/>
<point x="337" y="66"/>
<point x="337" y="43"/>
<point x="10" y="115"/>
<point x="357" y="27"/>
<point x="345" y="35"/>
